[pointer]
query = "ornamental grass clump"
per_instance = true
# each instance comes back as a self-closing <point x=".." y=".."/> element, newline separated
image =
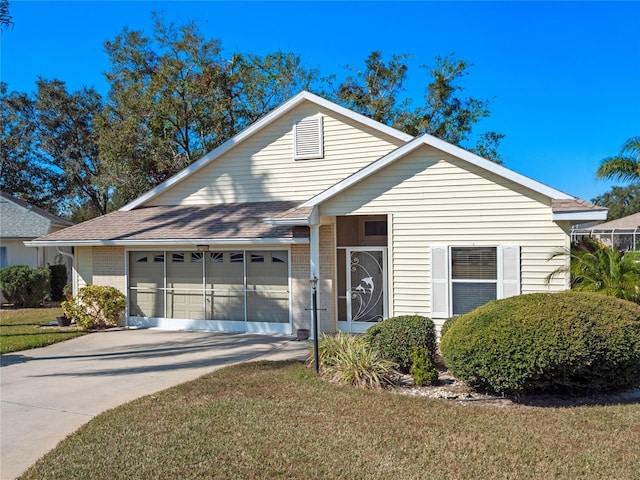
<point x="349" y="360"/>
<point x="569" y="342"/>
<point x="396" y="337"/>
<point x="95" y="307"/>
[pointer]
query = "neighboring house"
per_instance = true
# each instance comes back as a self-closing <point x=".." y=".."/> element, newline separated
<point x="390" y="224"/>
<point x="21" y="222"/>
<point x="622" y="233"/>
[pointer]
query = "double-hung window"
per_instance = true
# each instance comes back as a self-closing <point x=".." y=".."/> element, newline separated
<point x="474" y="277"/>
<point x="463" y="277"/>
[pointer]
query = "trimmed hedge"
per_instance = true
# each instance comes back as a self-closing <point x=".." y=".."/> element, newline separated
<point x="24" y="286"/>
<point x="396" y="337"/>
<point x="569" y="342"/>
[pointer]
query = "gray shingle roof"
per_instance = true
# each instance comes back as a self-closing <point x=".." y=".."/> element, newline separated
<point x="19" y="219"/>
<point x="184" y="222"/>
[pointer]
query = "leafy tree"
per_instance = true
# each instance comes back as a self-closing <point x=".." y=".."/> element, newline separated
<point x="5" y="18"/>
<point x="174" y="97"/>
<point x="67" y="139"/>
<point x="625" y="166"/>
<point x="444" y="113"/>
<point x="595" y="267"/>
<point x="621" y="201"/>
<point x="376" y="91"/>
<point x="23" y="172"/>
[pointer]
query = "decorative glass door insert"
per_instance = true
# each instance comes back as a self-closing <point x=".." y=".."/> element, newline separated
<point x="367" y="284"/>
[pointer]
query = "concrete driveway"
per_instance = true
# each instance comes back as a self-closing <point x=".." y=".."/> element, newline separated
<point x="48" y="393"/>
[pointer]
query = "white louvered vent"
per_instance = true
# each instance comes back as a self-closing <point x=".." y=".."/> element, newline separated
<point x="307" y="138"/>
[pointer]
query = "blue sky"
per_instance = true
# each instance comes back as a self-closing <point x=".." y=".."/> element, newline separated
<point x="565" y="77"/>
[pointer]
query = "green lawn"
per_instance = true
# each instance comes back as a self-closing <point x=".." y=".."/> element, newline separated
<point x="277" y="420"/>
<point x="20" y="329"/>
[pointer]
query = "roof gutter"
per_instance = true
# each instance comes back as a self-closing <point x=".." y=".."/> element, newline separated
<point x="174" y="241"/>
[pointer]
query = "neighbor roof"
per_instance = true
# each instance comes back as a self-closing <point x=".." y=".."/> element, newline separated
<point x="234" y="223"/>
<point x="629" y="222"/>
<point x="20" y="219"/>
<point x="303" y="96"/>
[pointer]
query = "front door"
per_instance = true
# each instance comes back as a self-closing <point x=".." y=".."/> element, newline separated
<point x="367" y="287"/>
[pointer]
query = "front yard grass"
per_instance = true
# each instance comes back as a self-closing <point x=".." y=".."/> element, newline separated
<point x="277" y="420"/>
<point x="20" y="329"/>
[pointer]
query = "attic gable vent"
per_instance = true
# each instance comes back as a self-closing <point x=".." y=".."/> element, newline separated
<point x="307" y="138"/>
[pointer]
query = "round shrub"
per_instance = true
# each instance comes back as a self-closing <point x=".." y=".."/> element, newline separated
<point x="396" y="337"/>
<point x="567" y="342"/>
<point x="447" y="324"/>
<point x="95" y="306"/>
<point x="24" y="286"/>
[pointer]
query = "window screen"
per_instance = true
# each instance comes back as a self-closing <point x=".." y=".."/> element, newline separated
<point x="474" y="277"/>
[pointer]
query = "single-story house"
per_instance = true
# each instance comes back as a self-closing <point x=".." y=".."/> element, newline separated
<point x="389" y="224"/>
<point x="621" y="233"/>
<point x="22" y="222"/>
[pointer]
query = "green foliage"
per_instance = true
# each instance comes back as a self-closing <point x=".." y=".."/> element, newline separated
<point x="422" y="369"/>
<point x="621" y="201"/>
<point x="349" y="360"/>
<point x="395" y="338"/>
<point x="95" y="306"/>
<point x="377" y="93"/>
<point x="569" y="342"/>
<point x="24" y="286"/>
<point x="58" y="281"/>
<point x="625" y="166"/>
<point x="447" y="324"/>
<point x="595" y="267"/>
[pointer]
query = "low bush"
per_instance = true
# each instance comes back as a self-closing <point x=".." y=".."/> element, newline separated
<point x="349" y="360"/>
<point x="95" y="307"/>
<point x="447" y="324"/>
<point x="24" y="286"/>
<point x="58" y="281"/>
<point x="396" y="337"/>
<point x="422" y="369"/>
<point x="569" y="342"/>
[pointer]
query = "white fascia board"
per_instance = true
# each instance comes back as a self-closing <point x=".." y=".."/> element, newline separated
<point x="446" y="147"/>
<point x="255" y="127"/>
<point x="581" y="216"/>
<point x="176" y="241"/>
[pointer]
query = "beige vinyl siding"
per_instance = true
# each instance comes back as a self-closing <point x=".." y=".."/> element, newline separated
<point x="438" y="200"/>
<point x="263" y="168"/>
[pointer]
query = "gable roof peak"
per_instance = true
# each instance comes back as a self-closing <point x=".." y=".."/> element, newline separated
<point x="259" y="125"/>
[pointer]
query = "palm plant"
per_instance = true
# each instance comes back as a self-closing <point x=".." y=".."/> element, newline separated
<point x="625" y="166"/>
<point x="595" y="267"/>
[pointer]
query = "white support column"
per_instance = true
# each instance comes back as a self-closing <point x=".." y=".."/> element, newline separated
<point x="314" y="265"/>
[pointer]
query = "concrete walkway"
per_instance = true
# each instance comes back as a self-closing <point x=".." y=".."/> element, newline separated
<point x="48" y="393"/>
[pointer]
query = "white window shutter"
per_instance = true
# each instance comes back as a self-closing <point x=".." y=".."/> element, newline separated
<point x="307" y="138"/>
<point x="439" y="282"/>
<point x="509" y="271"/>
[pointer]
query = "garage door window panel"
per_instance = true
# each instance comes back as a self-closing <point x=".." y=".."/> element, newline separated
<point x="224" y="284"/>
<point x="184" y="288"/>
<point x="267" y="288"/>
<point x="147" y="282"/>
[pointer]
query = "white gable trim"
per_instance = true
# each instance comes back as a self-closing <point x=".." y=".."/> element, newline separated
<point x="255" y="127"/>
<point x="446" y="147"/>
